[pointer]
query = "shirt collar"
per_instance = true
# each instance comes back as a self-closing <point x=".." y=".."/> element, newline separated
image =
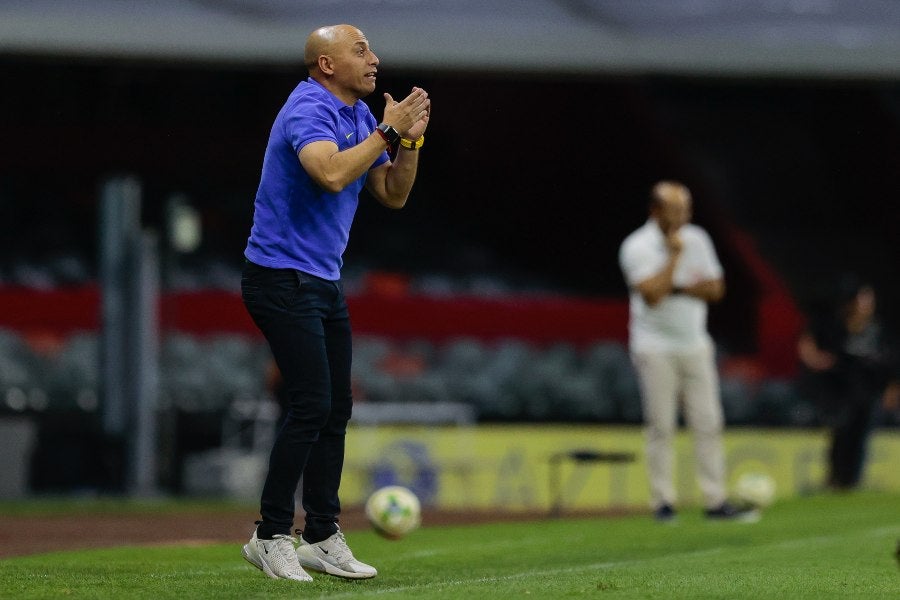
<point x="335" y="101"/>
<point x="654" y="226"/>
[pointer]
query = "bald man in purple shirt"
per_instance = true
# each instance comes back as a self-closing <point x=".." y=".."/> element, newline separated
<point x="324" y="146"/>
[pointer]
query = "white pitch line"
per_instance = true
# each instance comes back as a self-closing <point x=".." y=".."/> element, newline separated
<point x="878" y="532"/>
<point x="823" y="539"/>
<point x="519" y="575"/>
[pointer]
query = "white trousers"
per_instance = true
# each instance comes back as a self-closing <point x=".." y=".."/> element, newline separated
<point x="688" y="379"/>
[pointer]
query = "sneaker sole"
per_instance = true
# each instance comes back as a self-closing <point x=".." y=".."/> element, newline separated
<point x="245" y="552"/>
<point x="262" y="566"/>
<point x="748" y="517"/>
<point x="321" y="566"/>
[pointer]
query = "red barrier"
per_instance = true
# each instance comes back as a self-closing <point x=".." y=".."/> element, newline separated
<point x="394" y="312"/>
<point x="58" y="311"/>
<point x="779" y="319"/>
<point x="541" y="320"/>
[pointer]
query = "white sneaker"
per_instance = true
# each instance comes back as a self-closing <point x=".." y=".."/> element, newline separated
<point x="277" y="557"/>
<point x="334" y="557"/>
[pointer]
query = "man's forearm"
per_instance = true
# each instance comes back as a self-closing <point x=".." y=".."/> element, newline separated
<point x="334" y="170"/>
<point x="400" y="177"/>
<point x="711" y="290"/>
<point x="659" y="286"/>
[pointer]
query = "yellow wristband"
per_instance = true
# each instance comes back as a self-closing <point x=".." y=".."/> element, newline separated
<point x="412" y="144"/>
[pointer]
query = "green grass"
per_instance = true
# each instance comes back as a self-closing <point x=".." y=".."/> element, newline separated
<point x="829" y="546"/>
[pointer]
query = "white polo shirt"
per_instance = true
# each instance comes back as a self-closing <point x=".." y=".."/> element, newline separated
<point x="677" y="322"/>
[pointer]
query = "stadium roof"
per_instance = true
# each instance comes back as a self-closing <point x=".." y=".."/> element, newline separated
<point x="812" y="38"/>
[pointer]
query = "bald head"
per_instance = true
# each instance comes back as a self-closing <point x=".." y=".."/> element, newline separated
<point x="325" y="41"/>
<point x="667" y="191"/>
<point x="670" y="204"/>
<point x="339" y="58"/>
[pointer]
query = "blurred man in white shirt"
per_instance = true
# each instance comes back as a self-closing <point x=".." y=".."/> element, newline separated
<point x="672" y="272"/>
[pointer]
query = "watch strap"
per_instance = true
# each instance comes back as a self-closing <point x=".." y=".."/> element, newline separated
<point x="390" y="135"/>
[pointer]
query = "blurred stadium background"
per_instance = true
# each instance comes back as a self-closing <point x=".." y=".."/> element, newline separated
<point x="495" y="296"/>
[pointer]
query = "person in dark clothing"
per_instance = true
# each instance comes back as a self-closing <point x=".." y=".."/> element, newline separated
<point x="852" y="365"/>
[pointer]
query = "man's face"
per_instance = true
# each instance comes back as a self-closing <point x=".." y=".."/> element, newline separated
<point x="355" y="65"/>
<point x="674" y="210"/>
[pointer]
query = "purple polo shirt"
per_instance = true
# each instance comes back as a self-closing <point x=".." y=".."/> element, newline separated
<point x="297" y="224"/>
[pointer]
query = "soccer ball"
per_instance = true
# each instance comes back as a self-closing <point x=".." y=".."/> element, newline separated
<point x="756" y="489"/>
<point x="393" y="511"/>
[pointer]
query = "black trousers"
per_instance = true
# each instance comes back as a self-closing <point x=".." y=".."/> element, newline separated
<point x="849" y="441"/>
<point x="307" y="325"/>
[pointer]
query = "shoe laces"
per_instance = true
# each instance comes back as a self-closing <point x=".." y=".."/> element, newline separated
<point x="339" y="549"/>
<point x="284" y="543"/>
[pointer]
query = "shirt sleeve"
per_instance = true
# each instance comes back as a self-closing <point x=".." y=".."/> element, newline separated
<point x="306" y="122"/>
<point x="637" y="261"/>
<point x="710" y="267"/>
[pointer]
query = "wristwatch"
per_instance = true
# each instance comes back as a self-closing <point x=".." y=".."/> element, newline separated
<point x="390" y="135"/>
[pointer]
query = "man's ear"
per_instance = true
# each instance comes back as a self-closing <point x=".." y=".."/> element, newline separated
<point x="325" y="64"/>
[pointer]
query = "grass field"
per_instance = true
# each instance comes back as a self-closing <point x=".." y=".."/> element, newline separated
<point x="828" y="546"/>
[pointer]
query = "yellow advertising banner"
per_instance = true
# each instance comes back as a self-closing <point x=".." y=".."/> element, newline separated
<point x="537" y="468"/>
